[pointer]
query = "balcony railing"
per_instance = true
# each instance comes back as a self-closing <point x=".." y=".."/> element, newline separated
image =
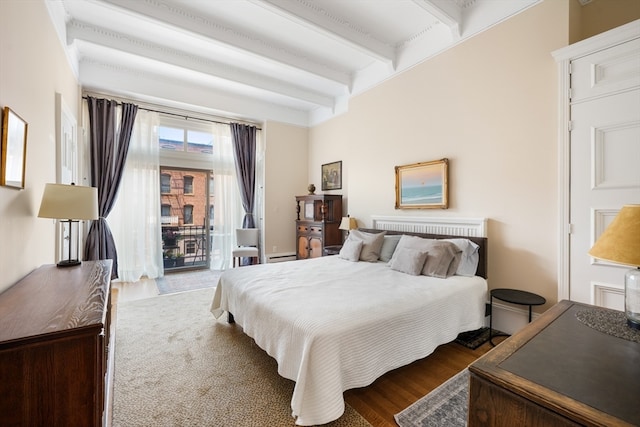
<point x="184" y="246"/>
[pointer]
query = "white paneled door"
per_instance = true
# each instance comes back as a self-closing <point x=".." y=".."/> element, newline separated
<point x="604" y="165"/>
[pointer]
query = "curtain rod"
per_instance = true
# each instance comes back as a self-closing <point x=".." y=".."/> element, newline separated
<point x="178" y="115"/>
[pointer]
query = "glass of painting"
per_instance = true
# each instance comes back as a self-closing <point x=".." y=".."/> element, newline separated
<point x="422" y="185"/>
<point x="14" y="150"/>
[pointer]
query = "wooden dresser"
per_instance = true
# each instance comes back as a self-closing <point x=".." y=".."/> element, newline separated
<point x="54" y="337"/>
<point x="317" y="224"/>
<point x="557" y="371"/>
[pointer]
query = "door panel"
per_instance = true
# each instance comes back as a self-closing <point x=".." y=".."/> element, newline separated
<point x="605" y="171"/>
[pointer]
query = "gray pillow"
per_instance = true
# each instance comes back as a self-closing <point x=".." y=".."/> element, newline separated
<point x="469" y="256"/>
<point x="371" y="244"/>
<point x="389" y="244"/>
<point x="351" y="250"/>
<point x="411" y="242"/>
<point x="441" y="261"/>
<point x="409" y="261"/>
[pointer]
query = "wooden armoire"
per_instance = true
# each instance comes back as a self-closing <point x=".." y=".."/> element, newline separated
<point x="317" y="224"/>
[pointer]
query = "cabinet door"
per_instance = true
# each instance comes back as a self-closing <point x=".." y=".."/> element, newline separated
<point x="315" y="246"/>
<point x="303" y="247"/>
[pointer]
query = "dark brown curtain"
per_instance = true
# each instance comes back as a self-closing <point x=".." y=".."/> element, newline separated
<point x="244" y="153"/>
<point x="108" y="151"/>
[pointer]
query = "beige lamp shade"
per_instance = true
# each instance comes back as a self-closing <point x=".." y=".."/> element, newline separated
<point x="620" y="242"/>
<point x="69" y="202"/>
<point x="348" y="223"/>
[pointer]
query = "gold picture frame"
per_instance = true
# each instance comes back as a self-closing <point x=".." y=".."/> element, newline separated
<point x="423" y="185"/>
<point x="14" y="150"/>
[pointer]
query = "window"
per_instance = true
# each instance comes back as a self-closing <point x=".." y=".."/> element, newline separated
<point x="171" y="138"/>
<point x="186" y="136"/>
<point x="165" y="183"/>
<point x="188" y="184"/>
<point x="165" y="214"/>
<point x="188" y="214"/>
<point x="190" y="247"/>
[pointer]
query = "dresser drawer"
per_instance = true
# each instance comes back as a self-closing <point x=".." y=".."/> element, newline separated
<point x="315" y="230"/>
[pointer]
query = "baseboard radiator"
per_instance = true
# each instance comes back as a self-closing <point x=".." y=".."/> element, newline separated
<point x="281" y="257"/>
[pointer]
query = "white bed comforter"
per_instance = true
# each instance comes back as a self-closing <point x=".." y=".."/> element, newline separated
<point x="333" y="325"/>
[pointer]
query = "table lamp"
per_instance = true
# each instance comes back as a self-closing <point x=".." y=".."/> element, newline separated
<point x="69" y="203"/>
<point x="620" y="243"/>
<point x="348" y="223"/>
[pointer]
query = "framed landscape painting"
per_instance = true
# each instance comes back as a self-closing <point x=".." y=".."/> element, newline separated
<point x="423" y="185"/>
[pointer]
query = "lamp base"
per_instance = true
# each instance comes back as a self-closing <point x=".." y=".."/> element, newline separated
<point x="632" y="297"/>
<point x="69" y="263"/>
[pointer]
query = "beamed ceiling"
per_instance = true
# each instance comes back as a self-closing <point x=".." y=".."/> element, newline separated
<point x="293" y="61"/>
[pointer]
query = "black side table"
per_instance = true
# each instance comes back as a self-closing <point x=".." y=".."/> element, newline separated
<point x="514" y="296"/>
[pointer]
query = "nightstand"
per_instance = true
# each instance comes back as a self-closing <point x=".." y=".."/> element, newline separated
<point x="514" y="296"/>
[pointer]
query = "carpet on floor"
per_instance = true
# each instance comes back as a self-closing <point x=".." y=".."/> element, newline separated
<point x="176" y="365"/>
<point x="447" y="405"/>
<point x="174" y="282"/>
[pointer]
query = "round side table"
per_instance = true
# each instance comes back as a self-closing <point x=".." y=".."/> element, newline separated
<point x="513" y="296"/>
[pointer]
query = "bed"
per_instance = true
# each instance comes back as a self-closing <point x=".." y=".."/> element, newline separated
<point x="333" y="324"/>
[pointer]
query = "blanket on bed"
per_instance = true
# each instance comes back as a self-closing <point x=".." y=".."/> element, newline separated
<point x="333" y="324"/>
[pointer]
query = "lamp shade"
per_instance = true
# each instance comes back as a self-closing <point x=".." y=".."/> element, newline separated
<point x="62" y="201"/>
<point x="620" y="242"/>
<point x="348" y="223"/>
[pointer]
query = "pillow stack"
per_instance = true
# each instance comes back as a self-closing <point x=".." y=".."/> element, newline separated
<point x="441" y="258"/>
<point x="370" y="245"/>
<point x="412" y="254"/>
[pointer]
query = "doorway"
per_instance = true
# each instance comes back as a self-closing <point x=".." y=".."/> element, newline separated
<point x="186" y="205"/>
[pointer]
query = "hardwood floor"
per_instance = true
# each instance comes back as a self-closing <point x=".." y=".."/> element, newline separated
<point x="389" y="394"/>
<point x="398" y="389"/>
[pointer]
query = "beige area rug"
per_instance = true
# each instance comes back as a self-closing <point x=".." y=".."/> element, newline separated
<point x="175" y="365"/>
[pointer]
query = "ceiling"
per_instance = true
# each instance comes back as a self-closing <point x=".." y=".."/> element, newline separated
<point x="293" y="61"/>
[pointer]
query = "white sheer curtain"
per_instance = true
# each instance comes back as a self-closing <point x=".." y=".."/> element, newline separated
<point x="135" y="218"/>
<point x="227" y="208"/>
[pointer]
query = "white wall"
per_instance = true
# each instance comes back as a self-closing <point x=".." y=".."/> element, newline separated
<point x="489" y="105"/>
<point x="32" y="69"/>
<point x="285" y="177"/>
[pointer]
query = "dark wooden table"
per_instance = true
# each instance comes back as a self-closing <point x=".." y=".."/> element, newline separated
<point x="557" y="371"/>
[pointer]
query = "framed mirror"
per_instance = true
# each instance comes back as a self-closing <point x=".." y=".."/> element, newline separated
<point x="14" y="149"/>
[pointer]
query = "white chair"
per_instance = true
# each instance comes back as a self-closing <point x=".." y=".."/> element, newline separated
<point x="247" y="240"/>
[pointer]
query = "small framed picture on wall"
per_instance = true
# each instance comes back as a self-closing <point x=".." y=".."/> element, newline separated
<point x="332" y="176"/>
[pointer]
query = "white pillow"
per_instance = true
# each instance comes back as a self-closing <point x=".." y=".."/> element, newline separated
<point x="409" y="261"/>
<point x="351" y="250"/>
<point x="371" y="244"/>
<point x="469" y="258"/>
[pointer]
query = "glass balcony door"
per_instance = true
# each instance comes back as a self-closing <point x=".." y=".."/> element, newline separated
<point x="186" y="207"/>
